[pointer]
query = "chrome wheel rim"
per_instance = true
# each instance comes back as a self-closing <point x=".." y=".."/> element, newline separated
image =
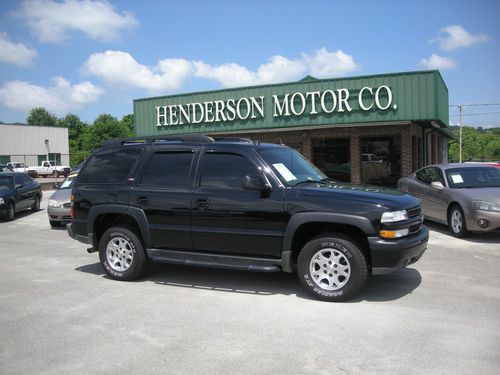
<point x="330" y="269"/>
<point x="456" y="221"/>
<point x="119" y="254"/>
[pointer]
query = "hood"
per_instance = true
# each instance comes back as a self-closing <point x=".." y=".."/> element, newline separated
<point x="62" y="195"/>
<point x="491" y="194"/>
<point x="389" y="198"/>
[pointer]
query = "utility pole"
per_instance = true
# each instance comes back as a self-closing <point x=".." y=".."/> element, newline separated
<point x="460" y="137"/>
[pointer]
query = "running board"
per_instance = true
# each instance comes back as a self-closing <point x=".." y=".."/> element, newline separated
<point x="215" y="260"/>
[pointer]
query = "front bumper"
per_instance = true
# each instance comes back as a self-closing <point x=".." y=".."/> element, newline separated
<point x="473" y="217"/>
<point x="59" y="214"/>
<point x="391" y="255"/>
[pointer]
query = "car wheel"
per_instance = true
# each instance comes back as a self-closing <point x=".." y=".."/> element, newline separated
<point x="36" y="205"/>
<point x="332" y="268"/>
<point x="54" y="224"/>
<point x="11" y="211"/>
<point x="456" y="222"/>
<point x="122" y="254"/>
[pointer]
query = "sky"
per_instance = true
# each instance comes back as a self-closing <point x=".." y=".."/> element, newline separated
<point x="89" y="57"/>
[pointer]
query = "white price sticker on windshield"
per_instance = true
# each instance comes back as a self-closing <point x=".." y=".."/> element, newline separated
<point x="284" y="172"/>
<point x="457" y="179"/>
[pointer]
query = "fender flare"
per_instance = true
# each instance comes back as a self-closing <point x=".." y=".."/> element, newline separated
<point x="136" y="213"/>
<point x="299" y="219"/>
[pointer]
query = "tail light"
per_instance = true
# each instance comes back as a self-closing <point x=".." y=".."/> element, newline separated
<point x="72" y="209"/>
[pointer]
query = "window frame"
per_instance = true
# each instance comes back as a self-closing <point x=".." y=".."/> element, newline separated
<point x="149" y="159"/>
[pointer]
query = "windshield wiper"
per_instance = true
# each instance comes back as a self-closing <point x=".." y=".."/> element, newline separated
<point x="311" y="182"/>
<point x="328" y="180"/>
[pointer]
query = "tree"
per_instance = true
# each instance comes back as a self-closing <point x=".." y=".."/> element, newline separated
<point x="76" y="134"/>
<point x="104" y="127"/>
<point x="41" y="117"/>
<point x="476" y="145"/>
<point x="128" y="120"/>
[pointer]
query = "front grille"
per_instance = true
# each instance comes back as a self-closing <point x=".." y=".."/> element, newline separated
<point x="67" y="205"/>
<point x="414" y="212"/>
<point x="414" y="228"/>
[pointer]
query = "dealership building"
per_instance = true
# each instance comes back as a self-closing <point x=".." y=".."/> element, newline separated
<point x="370" y="129"/>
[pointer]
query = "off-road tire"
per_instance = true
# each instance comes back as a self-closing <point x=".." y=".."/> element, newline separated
<point x="11" y="212"/>
<point x="332" y="268"/>
<point x="128" y="247"/>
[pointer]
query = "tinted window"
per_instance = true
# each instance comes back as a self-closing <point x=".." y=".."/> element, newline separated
<point x="429" y="175"/>
<point x="168" y="169"/>
<point x="5" y="183"/>
<point x="225" y="171"/>
<point x="25" y="179"/>
<point x="110" y="166"/>
<point x="473" y="177"/>
<point x="422" y="176"/>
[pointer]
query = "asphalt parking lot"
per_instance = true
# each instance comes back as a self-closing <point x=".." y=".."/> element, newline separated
<point x="60" y="314"/>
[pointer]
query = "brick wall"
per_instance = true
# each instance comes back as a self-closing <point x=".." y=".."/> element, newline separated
<point x="302" y="141"/>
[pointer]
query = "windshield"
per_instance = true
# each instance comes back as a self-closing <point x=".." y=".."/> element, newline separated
<point x="68" y="182"/>
<point x="473" y="177"/>
<point x="5" y="183"/>
<point x="290" y="166"/>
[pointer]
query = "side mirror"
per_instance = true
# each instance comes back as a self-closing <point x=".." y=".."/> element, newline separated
<point x="256" y="182"/>
<point x="18" y="186"/>
<point x="437" y="185"/>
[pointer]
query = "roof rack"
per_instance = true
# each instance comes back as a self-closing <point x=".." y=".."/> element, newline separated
<point x="154" y="139"/>
<point x="194" y="138"/>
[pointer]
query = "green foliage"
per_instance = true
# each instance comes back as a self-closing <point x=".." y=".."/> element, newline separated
<point x="128" y="120"/>
<point x="104" y="127"/>
<point x="41" y="117"/>
<point x="477" y="145"/>
<point x="76" y="133"/>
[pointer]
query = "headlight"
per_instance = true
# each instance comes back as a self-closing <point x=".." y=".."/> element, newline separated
<point x="2" y="201"/>
<point x="485" y="206"/>
<point x="390" y="217"/>
<point x="54" y="203"/>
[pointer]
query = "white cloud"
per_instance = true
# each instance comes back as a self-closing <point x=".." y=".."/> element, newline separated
<point x="52" y="21"/>
<point x="121" y="69"/>
<point x="15" y="53"/>
<point x="455" y="36"/>
<point x="59" y="98"/>
<point x="321" y="64"/>
<point x="438" y="62"/>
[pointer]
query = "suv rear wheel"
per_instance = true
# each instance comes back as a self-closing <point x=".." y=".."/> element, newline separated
<point x="332" y="268"/>
<point x="122" y="254"/>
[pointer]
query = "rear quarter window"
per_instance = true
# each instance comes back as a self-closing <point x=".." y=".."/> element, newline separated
<point x="109" y="166"/>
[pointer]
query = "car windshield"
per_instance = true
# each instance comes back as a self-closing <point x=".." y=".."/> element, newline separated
<point x="5" y="183"/>
<point x="473" y="177"/>
<point x="68" y="182"/>
<point x="290" y="166"/>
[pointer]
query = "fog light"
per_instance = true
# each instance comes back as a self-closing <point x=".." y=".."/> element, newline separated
<point x="483" y="223"/>
<point x="393" y="233"/>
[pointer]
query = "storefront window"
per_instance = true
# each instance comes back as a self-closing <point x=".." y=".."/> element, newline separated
<point x="381" y="160"/>
<point x="332" y="157"/>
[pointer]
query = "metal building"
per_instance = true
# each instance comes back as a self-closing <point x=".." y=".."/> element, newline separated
<point x="32" y="144"/>
<point x="371" y="129"/>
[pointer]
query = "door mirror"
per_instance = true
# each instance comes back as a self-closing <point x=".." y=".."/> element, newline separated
<point x="19" y="186"/>
<point x="437" y="185"/>
<point x="256" y="182"/>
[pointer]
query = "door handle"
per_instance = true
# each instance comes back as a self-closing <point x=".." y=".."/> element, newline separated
<point x="204" y="203"/>
<point x="143" y="200"/>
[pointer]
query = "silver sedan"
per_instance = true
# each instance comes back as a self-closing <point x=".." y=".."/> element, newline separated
<point x="466" y="197"/>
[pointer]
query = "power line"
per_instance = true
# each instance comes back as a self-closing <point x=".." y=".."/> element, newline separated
<point x="473" y="105"/>
<point x="476" y="114"/>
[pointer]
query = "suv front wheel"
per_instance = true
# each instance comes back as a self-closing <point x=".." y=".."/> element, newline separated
<point x="122" y="254"/>
<point x="332" y="268"/>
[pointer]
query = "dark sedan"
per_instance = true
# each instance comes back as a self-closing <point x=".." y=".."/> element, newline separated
<point x="18" y="192"/>
<point x="466" y="197"/>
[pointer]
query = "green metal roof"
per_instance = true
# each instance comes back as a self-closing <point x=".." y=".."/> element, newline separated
<point x="416" y="96"/>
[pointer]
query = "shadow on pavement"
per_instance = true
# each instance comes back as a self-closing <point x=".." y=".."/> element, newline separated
<point x="486" y="237"/>
<point x="379" y="288"/>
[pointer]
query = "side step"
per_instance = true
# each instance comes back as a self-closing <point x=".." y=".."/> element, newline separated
<point x="215" y="260"/>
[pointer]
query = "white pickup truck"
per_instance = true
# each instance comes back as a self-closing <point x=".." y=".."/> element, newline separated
<point x="50" y="168"/>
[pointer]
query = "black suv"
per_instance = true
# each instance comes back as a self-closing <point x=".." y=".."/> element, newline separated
<point x="233" y="203"/>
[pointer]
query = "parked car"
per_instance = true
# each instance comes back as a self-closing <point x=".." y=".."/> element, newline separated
<point x="58" y="208"/>
<point x="465" y="196"/>
<point x="5" y="168"/>
<point x="237" y="204"/>
<point x="51" y="168"/>
<point x="18" y="192"/>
